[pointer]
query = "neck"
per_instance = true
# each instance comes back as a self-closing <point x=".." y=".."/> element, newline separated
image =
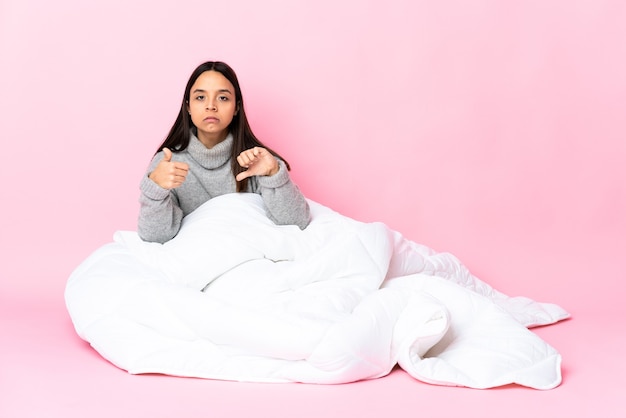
<point x="211" y="140"/>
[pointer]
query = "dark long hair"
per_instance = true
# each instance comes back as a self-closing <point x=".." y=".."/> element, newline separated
<point x="179" y="135"/>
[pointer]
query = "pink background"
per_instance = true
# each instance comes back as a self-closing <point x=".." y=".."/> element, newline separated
<point x="494" y="130"/>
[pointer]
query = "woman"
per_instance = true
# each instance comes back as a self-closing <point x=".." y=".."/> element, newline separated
<point x="211" y="151"/>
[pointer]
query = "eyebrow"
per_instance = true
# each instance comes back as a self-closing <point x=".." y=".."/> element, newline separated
<point x="219" y="91"/>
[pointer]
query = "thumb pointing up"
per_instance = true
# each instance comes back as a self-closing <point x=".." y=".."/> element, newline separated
<point x="167" y="173"/>
<point x="167" y="155"/>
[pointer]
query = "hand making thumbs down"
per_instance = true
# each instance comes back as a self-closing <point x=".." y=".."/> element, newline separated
<point x="258" y="162"/>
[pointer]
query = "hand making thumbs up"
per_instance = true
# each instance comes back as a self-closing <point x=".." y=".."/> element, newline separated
<point x="169" y="174"/>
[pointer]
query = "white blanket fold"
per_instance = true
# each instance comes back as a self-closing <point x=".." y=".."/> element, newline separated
<point x="236" y="297"/>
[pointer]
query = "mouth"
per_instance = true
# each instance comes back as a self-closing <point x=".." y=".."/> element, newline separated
<point x="210" y="119"/>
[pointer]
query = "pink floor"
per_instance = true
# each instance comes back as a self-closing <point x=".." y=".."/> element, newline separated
<point x="47" y="371"/>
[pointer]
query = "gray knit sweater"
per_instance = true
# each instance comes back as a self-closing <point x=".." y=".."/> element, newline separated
<point x="161" y="210"/>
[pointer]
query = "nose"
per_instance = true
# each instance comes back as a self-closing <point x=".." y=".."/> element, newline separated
<point x="210" y="105"/>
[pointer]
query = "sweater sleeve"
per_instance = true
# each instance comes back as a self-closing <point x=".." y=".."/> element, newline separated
<point x="285" y="204"/>
<point x="160" y="215"/>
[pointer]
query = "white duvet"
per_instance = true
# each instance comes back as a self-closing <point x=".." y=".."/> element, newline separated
<point x="236" y="297"/>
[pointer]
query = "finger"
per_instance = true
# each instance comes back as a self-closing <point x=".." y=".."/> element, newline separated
<point x="245" y="159"/>
<point x="176" y="181"/>
<point x="167" y="155"/>
<point x="242" y="175"/>
<point x="180" y="173"/>
<point x="181" y="166"/>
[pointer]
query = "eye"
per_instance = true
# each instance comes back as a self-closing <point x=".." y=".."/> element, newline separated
<point x="199" y="98"/>
<point x="223" y="98"/>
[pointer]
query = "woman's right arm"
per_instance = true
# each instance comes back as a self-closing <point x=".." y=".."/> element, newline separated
<point x="160" y="215"/>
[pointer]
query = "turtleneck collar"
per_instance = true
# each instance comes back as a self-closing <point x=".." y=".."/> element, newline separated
<point x="210" y="157"/>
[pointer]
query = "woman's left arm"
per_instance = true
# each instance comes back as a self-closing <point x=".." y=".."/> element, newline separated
<point x="284" y="201"/>
<point x="286" y="205"/>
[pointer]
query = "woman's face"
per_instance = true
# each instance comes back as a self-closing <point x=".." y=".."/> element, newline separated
<point x="212" y="106"/>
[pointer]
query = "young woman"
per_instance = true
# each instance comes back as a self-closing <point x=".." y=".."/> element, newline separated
<point x="211" y="151"/>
